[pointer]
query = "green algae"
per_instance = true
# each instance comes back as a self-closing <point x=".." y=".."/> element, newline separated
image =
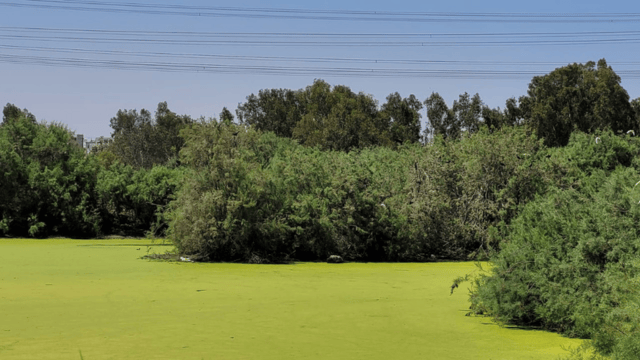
<point x="62" y="298"/>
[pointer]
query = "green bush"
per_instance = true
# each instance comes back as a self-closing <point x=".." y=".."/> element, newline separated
<point x="132" y="202"/>
<point x="458" y="191"/>
<point x="47" y="181"/>
<point x="257" y="197"/>
<point x="569" y="261"/>
<point x="50" y="186"/>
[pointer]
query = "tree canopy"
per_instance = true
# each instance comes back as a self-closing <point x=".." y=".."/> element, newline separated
<point x="142" y="141"/>
<point x="333" y="118"/>
<point x="580" y="96"/>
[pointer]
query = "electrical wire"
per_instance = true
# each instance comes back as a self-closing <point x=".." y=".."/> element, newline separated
<point x="307" y="34"/>
<point x="277" y="70"/>
<point x="323" y="15"/>
<point x="296" y="59"/>
<point x="314" y="40"/>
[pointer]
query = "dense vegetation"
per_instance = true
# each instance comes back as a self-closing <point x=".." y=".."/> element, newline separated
<point x="256" y="197"/>
<point x="51" y="187"/>
<point x="544" y="188"/>
<point x="569" y="261"/>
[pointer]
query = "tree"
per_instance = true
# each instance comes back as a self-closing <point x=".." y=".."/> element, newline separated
<point x="442" y="121"/>
<point x="132" y="136"/>
<point x="226" y="116"/>
<point x="12" y="112"/>
<point x="495" y="119"/>
<point x="339" y="119"/>
<point x="277" y="110"/>
<point x="168" y="125"/>
<point x="577" y="96"/>
<point x="141" y="141"/>
<point x="467" y="112"/>
<point x="46" y="180"/>
<point x="635" y="104"/>
<point x="403" y="115"/>
<point x="512" y="113"/>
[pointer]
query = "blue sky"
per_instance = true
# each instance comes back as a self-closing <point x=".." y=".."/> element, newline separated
<point x="86" y="98"/>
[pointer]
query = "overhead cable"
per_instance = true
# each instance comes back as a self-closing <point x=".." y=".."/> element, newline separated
<point x="317" y="14"/>
<point x="276" y="70"/>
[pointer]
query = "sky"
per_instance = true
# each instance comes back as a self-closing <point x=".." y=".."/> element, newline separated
<point x="79" y="67"/>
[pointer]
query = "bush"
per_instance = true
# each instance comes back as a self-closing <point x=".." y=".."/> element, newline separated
<point x="50" y="186"/>
<point x="132" y="202"/>
<point x="47" y="181"/>
<point x="257" y="196"/>
<point x="458" y="191"/>
<point x="569" y="261"/>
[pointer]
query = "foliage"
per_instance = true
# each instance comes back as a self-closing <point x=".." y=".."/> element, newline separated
<point x="496" y="118"/>
<point x="441" y="120"/>
<point x="255" y="196"/>
<point x="569" y="261"/>
<point x="338" y="119"/>
<point x="333" y="118"/>
<point x="459" y="190"/>
<point x="226" y="115"/>
<point x="46" y="180"/>
<point x="213" y="214"/>
<point x="466" y="116"/>
<point x="142" y="142"/>
<point x="12" y="112"/>
<point x="50" y="186"/>
<point x="132" y="202"/>
<point x="404" y="117"/>
<point x="577" y="96"/>
<point x="275" y="110"/>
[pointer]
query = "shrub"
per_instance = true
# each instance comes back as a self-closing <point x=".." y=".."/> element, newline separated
<point x="47" y="181"/>
<point x="569" y="261"/>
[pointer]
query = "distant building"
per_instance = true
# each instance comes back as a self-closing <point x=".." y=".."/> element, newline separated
<point x="89" y="144"/>
<point x="80" y="140"/>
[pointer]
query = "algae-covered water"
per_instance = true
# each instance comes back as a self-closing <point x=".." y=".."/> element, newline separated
<point x="60" y="298"/>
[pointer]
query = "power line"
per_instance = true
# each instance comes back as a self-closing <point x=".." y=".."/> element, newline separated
<point x="296" y="59"/>
<point x="323" y="15"/>
<point x="306" y="34"/>
<point x="132" y="38"/>
<point x="277" y="70"/>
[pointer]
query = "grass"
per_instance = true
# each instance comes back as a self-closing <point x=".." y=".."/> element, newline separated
<point x="72" y="299"/>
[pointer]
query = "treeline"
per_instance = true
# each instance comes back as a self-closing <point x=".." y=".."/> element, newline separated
<point x="333" y="118"/>
<point x="584" y="97"/>
<point x="50" y="187"/>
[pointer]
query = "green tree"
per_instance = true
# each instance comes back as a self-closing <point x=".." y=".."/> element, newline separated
<point x="277" y="110"/>
<point x="495" y="119"/>
<point x="580" y="96"/>
<point x="442" y="121"/>
<point x="467" y="112"/>
<point x="226" y="115"/>
<point x="403" y="115"/>
<point x="167" y="138"/>
<point x="339" y="119"/>
<point x="132" y="202"/>
<point x="12" y="112"/>
<point x="46" y="180"/>
<point x="142" y="141"/>
<point x="635" y="104"/>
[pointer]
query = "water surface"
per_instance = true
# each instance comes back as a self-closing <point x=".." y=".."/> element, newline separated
<point x="59" y="297"/>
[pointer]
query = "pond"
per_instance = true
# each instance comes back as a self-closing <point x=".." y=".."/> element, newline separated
<point x="96" y="299"/>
